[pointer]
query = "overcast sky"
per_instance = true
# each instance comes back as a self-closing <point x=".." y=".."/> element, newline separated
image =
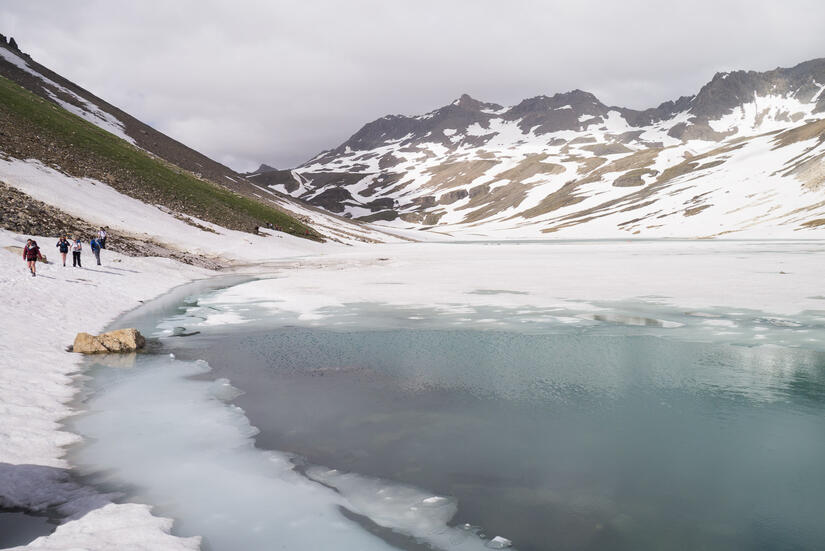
<point x="278" y="81"/>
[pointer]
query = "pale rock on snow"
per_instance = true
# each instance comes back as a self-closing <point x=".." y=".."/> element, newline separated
<point x="119" y="340"/>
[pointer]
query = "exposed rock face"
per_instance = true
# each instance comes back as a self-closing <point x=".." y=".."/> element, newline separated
<point x="265" y="168"/>
<point x="21" y="213"/>
<point x="113" y="342"/>
<point x="471" y="165"/>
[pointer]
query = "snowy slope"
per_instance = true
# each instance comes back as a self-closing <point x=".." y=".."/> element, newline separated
<point x="21" y="69"/>
<point x="744" y="156"/>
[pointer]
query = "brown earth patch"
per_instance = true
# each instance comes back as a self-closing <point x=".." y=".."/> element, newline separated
<point x="695" y="210"/>
<point x="449" y="175"/>
<point x="711" y="164"/>
<point x="802" y="133"/>
<point x="495" y="201"/>
<point x="607" y="148"/>
<point x="532" y="165"/>
<point x="452" y="196"/>
<point x="699" y="130"/>
<point x="423" y="218"/>
<point x="587" y="164"/>
<point x="386" y="215"/>
<point x="811" y="172"/>
<point x="582" y="139"/>
<point x="633" y="178"/>
<point x="563" y="197"/>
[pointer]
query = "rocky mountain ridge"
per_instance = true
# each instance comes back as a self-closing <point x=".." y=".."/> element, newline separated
<point x="566" y="163"/>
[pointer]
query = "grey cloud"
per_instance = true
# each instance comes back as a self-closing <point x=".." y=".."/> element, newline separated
<point x="280" y="81"/>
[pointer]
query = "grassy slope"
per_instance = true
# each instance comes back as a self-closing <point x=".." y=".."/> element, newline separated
<point x="133" y="171"/>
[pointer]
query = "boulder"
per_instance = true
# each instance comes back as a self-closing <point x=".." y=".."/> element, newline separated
<point x="121" y="340"/>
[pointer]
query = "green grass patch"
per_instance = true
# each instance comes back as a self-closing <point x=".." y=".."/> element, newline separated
<point x="93" y="152"/>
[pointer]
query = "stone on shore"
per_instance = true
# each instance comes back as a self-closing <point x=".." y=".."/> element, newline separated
<point x="118" y="341"/>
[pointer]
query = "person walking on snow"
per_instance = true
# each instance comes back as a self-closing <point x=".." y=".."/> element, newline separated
<point x="95" y="245"/>
<point x="63" y="246"/>
<point x="76" y="248"/>
<point x="101" y="237"/>
<point x="31" y="253"/>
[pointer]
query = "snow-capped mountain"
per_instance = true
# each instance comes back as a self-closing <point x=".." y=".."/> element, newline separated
<point x="744" y="155"/>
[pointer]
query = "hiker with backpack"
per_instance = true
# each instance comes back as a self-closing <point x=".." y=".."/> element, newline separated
<point x="63" y="246"/>
<point x="95" y="245"/>
<point x="101" y="238"/>
<point x="76" y="248"/>
<point x="31" y="254"/>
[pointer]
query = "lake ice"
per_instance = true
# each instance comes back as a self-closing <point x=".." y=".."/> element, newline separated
<point x="565" y="396"/>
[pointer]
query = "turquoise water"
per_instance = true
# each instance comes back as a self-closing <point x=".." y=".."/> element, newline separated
<point x="557" y="441"/>
<point x="615" y="434"/>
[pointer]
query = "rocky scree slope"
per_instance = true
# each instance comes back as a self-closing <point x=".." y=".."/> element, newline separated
<point x="744" y="155"/>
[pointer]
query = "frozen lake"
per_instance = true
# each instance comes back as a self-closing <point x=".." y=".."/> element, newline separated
<point x="568" y="396"/>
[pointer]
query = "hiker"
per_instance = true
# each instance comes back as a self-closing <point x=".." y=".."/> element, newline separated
<point x="76" y="248"/>
<point x="31" y="253"/>
<point x="101" y="238"/>
<point x="95" y="245"/>
<point x="63" y="246"/>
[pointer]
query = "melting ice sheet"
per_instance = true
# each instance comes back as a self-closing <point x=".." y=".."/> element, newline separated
<point x="660" y="395"/>
<point x="166" y="439"/>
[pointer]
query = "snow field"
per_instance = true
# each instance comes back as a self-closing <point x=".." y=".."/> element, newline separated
<point x="41" y="316"/>
<point x="691" y="275"/>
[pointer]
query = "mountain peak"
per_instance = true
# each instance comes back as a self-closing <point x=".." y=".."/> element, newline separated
<point x="578" y="94"/>
<point x="265" y="168"/>
<point x="465" y="101"/>
<point x="10" y="43"/>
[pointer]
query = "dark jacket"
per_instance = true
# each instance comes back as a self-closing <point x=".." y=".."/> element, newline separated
<point x="95" y="245"/>
<point x="63" y="245"/>
<point x="31" y="252"/>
